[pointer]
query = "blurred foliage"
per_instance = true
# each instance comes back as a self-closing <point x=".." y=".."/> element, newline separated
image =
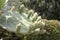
<point x="49" y="9"/>
<point x="2" y="4"/>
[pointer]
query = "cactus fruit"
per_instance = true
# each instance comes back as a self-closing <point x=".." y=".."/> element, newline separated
<point x="23" y="22"/>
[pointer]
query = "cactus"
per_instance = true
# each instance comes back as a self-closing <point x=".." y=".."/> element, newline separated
<point x="21" y="22"/>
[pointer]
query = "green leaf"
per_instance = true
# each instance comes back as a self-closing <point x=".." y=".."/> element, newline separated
<point x="2" y="4"/>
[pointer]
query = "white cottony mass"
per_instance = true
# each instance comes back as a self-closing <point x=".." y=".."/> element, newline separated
<point x="24" y="22"/>
<point x="7" y="17"/>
